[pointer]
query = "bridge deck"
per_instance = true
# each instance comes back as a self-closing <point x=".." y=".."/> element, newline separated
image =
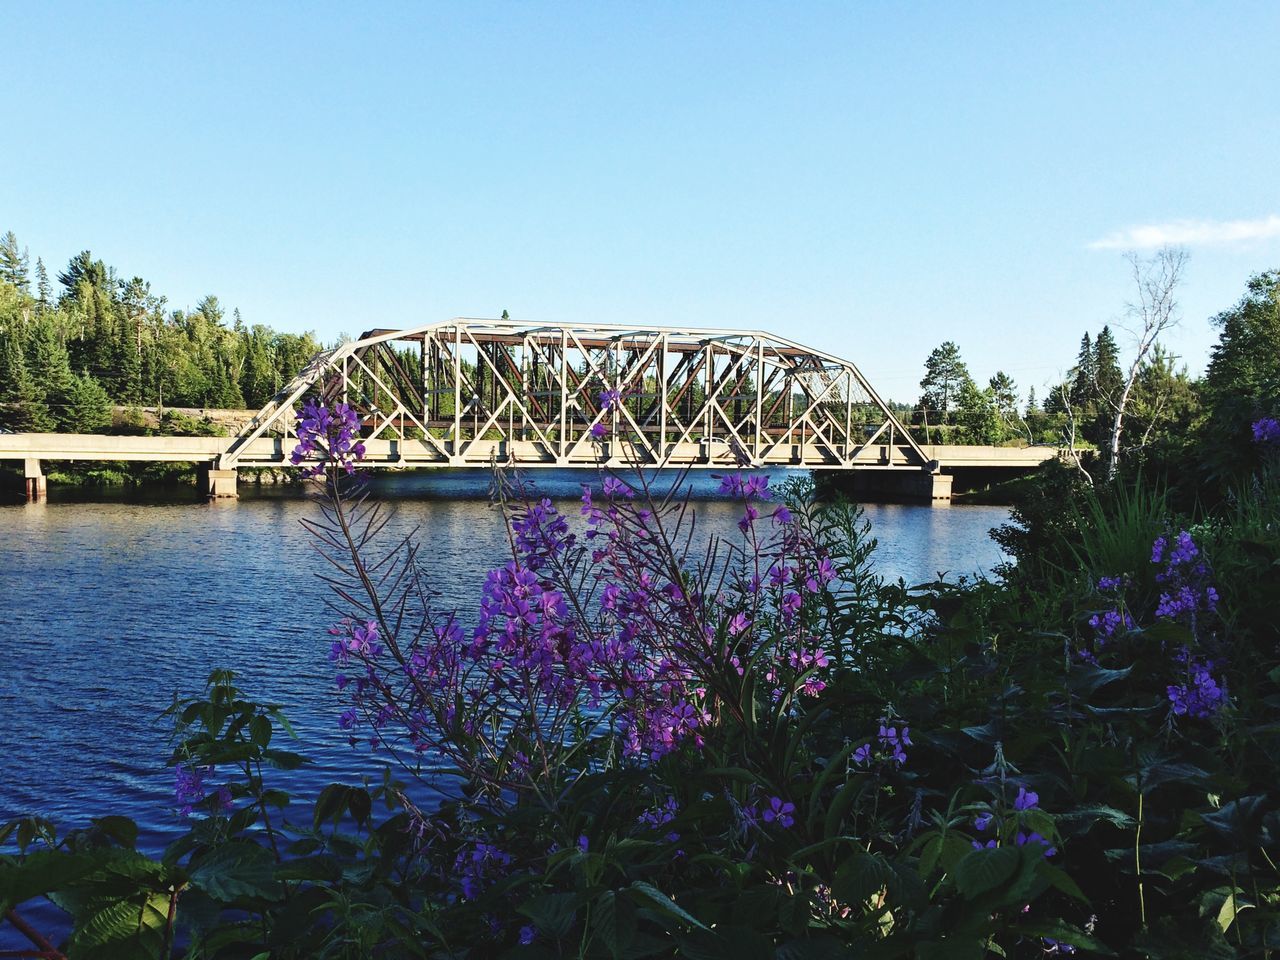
<point x="386" y="453"/>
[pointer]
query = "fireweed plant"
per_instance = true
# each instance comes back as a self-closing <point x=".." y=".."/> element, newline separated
<point x="618" y="659"/>
<point x="652" y="739"/>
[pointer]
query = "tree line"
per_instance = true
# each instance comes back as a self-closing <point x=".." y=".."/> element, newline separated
<point x="71" y="349"/>
<point x="1126" y="398"/>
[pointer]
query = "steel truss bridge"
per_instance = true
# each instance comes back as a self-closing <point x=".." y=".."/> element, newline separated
<point x="480" y="393"/>
<point x="473" y="392"/>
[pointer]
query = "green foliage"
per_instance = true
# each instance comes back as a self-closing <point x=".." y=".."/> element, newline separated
<point x="1243" y="379"/>
<point x="86" y="408"/>
<point x="120" y="334"/>
<point x="978" y="416"/>
<point x="945" y="373"/>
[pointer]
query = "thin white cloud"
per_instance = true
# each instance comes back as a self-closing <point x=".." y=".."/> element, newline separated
<point x="1189" y="233"/>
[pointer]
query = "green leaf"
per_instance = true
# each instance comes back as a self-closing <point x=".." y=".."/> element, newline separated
<point x="613" y="920"/>
<point x="1239" y="820"/>
<point x="43" y="872"/>
<point x="981" y="871"/>
<point x="284" y="759"/>
<point x="1095" y="814"/>
<point x="236" y="870"/>
<point x="1059" y="879"/>
<point x="330" y="804"/>
<point x="111" y="928"/>
<point x="1085" y="679"/>
<point x="860" y="876"/>
<point x="656" y="898"/>
<point x="552" y="913"/>
<point x="120" y="829"/>
<point x="260" y="730"/>
<point x="360" y="804"/>
<point x="319" y="869"/>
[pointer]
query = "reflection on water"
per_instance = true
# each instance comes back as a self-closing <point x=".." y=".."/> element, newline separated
<point x="109" y="607"/>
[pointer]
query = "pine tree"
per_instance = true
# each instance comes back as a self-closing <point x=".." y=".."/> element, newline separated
<point x="1107" y="375"/>
<point x="82" y="268"/>
<point x="20" y="405"/>
<point x="48" y="364"/>
<point x="44" y="291"/>
<point x="13" y="262"/>
<point x="1083" y="390"/>
<point x="945" y="374"/>
<point x="1005" y="394"/>
<point x="87" y="408"/>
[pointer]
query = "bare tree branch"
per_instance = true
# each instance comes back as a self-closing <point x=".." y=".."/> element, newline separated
<point x="1153" y="312"/>
<point x="1069" y="431"/>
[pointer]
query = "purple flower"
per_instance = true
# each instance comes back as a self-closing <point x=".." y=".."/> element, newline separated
<point x="613" y="488"/>
<point x="739" y="624"/>
<point x="660" y="815"/>
<point x="1186" y="578"/>
<point x="756" y="487"/>
<point x="599" y="431"/>
<point x="1110" y="583"/>
<point x="888" y="746"/>
<point x="528" y="934"/>
<point x="479" y="866"/>
<point x="982" y="821"/>
<point x="610" y="398"/>
<point x="188" y="789"/>
<point x="782" y="516"/>
<point x="1158" y="548"/>
<point x="1200" y="694"/>
<point x="1266" y="430"/>
<point x="1106" y="624"/>
<point x="1026" y="799"/>
<point x="1022" y="839"/>
<point x="780" y="812"/>
<point x="327" y="437"/>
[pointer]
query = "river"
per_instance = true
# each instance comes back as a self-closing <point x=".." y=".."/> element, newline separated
<point x="109" y="606"/>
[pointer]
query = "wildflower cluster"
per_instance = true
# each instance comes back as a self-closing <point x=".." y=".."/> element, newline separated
<point x="598" y="628"/>
<point x="328" y="437"/>
<point x="1199" y="694"/>
<point x="480" y="865"/>
<point x="190" y="791"/>
<point x="1022" y="833"/>
<point x="1267" y="431"/>
<point x="1185" y="577"/>
<point x="887" y="746"/>
<point x="1105" y="624"/>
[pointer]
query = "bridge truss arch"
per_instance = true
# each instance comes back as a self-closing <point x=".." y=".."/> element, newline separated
<point x="472" y="392"/>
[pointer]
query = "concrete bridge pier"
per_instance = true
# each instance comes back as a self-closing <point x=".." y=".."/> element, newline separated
<point x="214" y="483"/>
<point x="36" y="482"/>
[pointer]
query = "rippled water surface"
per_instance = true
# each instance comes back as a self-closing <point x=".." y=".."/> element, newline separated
<point x="107" y="608"/>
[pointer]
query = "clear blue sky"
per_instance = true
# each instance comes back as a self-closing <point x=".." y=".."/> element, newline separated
<point x="869" y="178"/>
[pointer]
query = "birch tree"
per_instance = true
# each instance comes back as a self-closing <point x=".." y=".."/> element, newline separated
<point x="1148" y="316"/>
